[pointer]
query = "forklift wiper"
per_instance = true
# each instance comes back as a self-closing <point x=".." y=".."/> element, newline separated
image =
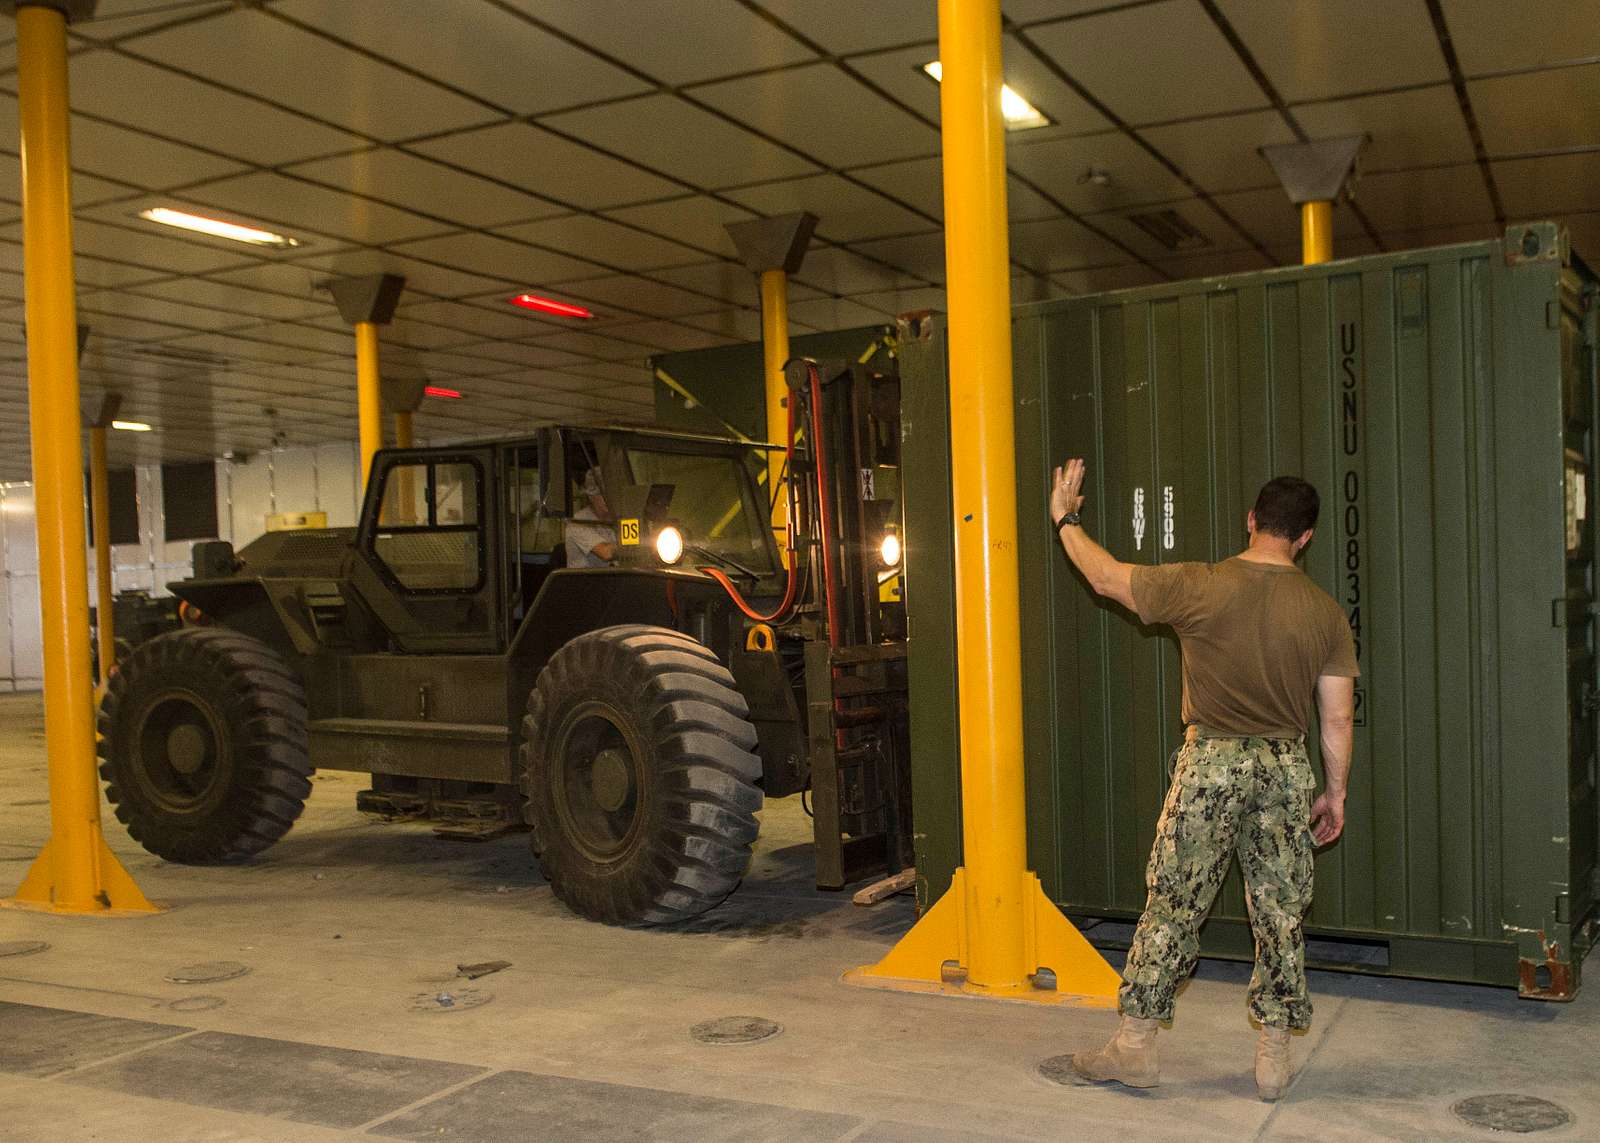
<point x="727" y="561"/>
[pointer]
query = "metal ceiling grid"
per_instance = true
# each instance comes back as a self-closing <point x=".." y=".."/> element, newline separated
<point x="593" y="149"/>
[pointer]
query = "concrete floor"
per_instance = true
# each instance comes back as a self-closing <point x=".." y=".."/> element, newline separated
<point x="351" y="929"/>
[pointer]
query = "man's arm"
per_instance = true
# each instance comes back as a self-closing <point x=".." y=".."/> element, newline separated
<point x="1107" y="575"/>
<point x="1336" y="705"/>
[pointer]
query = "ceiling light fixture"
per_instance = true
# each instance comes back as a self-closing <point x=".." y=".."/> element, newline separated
<point x="217" y="228"/>
<point x="440" y="391"/>
<point x="131" y="426"/>
<point x="550" y="306"/>
<point x="1020" y="115"/>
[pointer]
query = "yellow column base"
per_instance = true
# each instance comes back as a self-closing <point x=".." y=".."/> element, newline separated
<point x="931" y="958"/>
<point x="118" y="896"/>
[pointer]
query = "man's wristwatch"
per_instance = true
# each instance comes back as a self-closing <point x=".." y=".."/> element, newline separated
<point x="1069" y="518"/>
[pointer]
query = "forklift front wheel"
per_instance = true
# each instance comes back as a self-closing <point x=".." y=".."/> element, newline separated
<point x="640" y="776"/>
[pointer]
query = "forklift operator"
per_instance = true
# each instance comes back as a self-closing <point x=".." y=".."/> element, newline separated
<point x="590" y="536"/>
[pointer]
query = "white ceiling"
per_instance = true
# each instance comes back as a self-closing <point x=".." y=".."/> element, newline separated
<point x="594" y="149"/>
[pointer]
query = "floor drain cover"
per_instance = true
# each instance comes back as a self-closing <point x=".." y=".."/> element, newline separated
<point x="450" y="999"/>
<point x="1058" y="1069"/>
<point x="207" y="973"/>
<point x="1518" y="1114"/>
<point x="22" y="948"/>
<point x="735" y="1030"/>
<point x="196" y="1003"/>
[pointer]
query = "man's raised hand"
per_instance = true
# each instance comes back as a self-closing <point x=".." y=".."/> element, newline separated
<point x="1066" y="489"/>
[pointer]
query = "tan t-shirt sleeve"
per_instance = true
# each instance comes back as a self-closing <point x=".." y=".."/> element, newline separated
<point x="1341" y="647"/>
<point x="1167" y="593"/>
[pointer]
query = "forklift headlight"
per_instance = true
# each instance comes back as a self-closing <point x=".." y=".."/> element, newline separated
<point x="889" y="550"/>
<point x="669" y="545"/>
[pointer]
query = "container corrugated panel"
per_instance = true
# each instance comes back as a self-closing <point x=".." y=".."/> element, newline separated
<point x="1442" y="401"/>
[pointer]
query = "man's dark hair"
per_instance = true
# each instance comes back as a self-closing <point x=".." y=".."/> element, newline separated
<point x="1287" y="507"/>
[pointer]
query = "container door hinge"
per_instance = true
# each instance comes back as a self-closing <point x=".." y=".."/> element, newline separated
<point x="1552" y="315"/>
<point x="1563" y="909"/>
<point x="1565" y="612"/>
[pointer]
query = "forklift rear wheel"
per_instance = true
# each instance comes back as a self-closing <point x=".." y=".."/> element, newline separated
<point x="640" y="776"/>
<point x="203" y="745"/>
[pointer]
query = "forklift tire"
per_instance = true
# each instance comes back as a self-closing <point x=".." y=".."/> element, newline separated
<point x="641" y="779"/>
<point x="203" y="745"/>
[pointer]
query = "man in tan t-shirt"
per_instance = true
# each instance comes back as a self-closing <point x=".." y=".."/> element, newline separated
<point x="1259" y="641"/>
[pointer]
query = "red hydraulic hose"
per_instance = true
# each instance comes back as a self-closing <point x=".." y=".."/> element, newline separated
<point x="792" y="587"/>
<point x="830" y="555"/>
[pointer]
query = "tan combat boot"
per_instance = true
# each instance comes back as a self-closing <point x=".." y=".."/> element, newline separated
<point x="1128" y="1058"/>
<point x="1272" y="1063"/>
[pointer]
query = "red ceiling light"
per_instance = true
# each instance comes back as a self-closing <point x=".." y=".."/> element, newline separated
<point x="550" y="306"/>
<point x="439" y="391"/>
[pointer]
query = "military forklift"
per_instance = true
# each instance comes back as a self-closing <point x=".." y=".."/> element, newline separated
<point x="633" y="712"/>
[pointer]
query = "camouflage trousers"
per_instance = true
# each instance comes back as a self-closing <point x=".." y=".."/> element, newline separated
<point x="1249" y="797"/>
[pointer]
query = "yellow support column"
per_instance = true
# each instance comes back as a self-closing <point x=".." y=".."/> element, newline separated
<point x="369" y="405"/>
<point x="100" y="513"/>
<point x="1316" y="232"/>
<point x="774" y="354"/>
<point x="773" y="249"/>
<point x="76" y="872"/>
<point x="404" y="436"/>
<point x="995" y="924"/>
<point x="366" y="303"/>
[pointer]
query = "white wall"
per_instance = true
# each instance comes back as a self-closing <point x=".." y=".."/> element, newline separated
<point x="320" y="479"/>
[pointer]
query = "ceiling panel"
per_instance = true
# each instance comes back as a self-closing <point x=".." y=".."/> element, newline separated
<point x="728" y="282"/>
<point x="1060" y="244"/>
<point x="484" y="253"/>
<point x="506" y="322"/>
<point x="1490" y="36"/>
<point x="426" y="186"/>
<point x="256" y="304"/>
<point x="142" y="95"/>
<point x="1266" y="214"/>
<point x="135" y="157"/>
<point x="836" y="313"/>
<point x="1314" y="51"/>
<point x="248" y="50"/>
<point x="542" y="163"/>
<point x="485" y="54"/>
<point x="673" y="41"/>
<point x="1061" y="167"/>
<point x="825" y="113"/>
<point x="124" y="303"/>
<point x="1551" y="187"/>
<point x="837" y="271"/>
<point x="1222" y="154"/>
<point x="625" y="294"/>
<point x="127" y="243"/>
<point x="670" y="336"/>
<point x="845" y="26"/>
<point x="1406" y="128"/>
<point x="845" y="211"/>
<point x="283" y="202"/>
<point x="740" y="325"/>
<point x="1117" y="55"/>
<point x="667" y="134"/>
<point x="697" y="221"/>
<point x="1538" y="111"/>
<point x="1415" y="199"/>
<point x="114" y="19"/>
<point x="1031" y="11"/>
<point x="604" y="241"/>
<point x="301" y="278"/>
<point x="921" y="255"/>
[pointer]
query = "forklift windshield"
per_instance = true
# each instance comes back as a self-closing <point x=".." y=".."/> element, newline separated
<point x="713" y="504"/>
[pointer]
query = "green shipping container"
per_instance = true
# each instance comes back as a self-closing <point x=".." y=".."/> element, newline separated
<point x="1443" y="402"/>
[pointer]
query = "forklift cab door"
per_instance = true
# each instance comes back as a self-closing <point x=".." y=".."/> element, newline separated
<point x="428" y="566"/>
